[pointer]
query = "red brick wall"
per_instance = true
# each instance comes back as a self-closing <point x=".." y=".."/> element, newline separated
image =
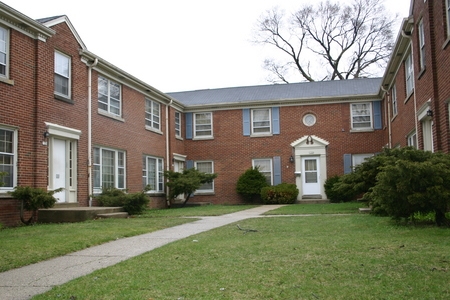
<point x="232" y="152"/>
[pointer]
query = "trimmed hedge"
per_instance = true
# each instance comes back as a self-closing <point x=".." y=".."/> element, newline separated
<point x="284" y="193"/>
<point x="134" y="203"/>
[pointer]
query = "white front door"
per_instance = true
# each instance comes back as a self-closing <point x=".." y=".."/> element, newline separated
<point x="58" y="163"/>
<point x="311" y="175"/>
<point x="63" y="168"/>
<point x="179" y="167"/>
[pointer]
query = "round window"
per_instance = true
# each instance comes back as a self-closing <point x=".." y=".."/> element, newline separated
<point x="309" y="119"/>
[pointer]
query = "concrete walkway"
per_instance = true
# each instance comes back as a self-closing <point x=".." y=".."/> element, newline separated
<point x="28" y="281"/>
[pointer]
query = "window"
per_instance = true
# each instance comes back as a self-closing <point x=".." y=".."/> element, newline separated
<point x="261" y="121"/>
<point x="205" y="167"/>
<point x="447" y="8"/>
<point x="412" y="140"/>
<point x="62" y="75"/>
<point x="152" y="114"/>
<point x="309" y="120"/>
<point x="394" y="101"/>
<point x="109" y="169"/>
<point x="361" y="114"/>
<point x="203" y="125"/>
<point x="409" y="75"/>
<point x="8" y="158"/>
<point x="109" y="96"/>
<point x="177" y="124"/>
<point x="152" y="173"/>
<point x="264" y="166"/>
<point x="358" y="159"/>
<point x="4" y="52"/>
<point x="421" y="45"/>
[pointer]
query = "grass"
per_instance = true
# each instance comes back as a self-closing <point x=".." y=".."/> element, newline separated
<point x="316" y="257"/>
<point x="30" y="244"/>
<point x="331" y="208"/>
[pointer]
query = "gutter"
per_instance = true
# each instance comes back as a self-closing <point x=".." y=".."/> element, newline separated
<point x="167" y="147"/>
<point x="90" y="190"/>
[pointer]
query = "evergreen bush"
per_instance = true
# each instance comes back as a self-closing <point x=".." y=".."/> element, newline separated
<point x="250" y="183"/>
<point x="133" y="203"/>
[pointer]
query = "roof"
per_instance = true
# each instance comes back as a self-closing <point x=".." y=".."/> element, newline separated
<point x="351" y="88"/>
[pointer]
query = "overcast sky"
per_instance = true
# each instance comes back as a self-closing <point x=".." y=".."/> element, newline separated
<point x="175" y="45"/>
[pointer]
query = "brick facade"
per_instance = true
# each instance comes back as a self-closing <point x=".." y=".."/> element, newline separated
<point x="30" y="108"/>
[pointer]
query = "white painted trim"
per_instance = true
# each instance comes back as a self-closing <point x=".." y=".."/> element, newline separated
<point x="63" y="131"/>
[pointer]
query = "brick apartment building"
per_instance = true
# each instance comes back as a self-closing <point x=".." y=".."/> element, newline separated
<point x="71" y="119"/>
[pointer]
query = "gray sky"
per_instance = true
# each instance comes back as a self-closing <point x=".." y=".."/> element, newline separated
<point x="175" y="45"/>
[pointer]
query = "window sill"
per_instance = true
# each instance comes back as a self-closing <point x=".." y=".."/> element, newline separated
<point x="205" y="193"/>
<point x="106" y="114"/>
<point x="64" y="99"/>
<point x="203" y="138"/>
<point x="409" y="96"/>
<point x="179" y="137"/>
<point x="155" y="194"/>
<point x="4" y="194"/>
<point x="446" y="43"/>
<point x="153" y="130"/>
<point x="6" y="80"/>
<point x="362" y="130"/>
<point x="421" y="72"/>
<point x="261" y="135"/>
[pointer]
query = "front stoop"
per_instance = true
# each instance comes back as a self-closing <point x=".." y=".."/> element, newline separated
<point x="74" y="214"/>
<point x="312" y="199"/>
<point x="365" y="210"/>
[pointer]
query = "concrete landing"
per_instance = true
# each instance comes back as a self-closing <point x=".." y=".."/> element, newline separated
<point x="74" y="214"/>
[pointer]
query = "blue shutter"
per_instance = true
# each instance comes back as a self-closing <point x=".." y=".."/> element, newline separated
<point x="189" y="164"/>
<point x="275" y="120"/>
<point x="377" y="124"/>
<point x="246" y="121"/>
<point x="276" y="170"/>
<point x="188" y="126"/>
<point x="347" y="163"/>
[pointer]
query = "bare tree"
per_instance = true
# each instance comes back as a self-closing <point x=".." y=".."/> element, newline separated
<point x="329" y="41"/>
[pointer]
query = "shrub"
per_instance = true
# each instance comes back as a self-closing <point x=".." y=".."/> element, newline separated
<point x="33" y="199"/>
<point x="134" y="203"/>
<point x="250" y="183"/>
<point x="284" y="193"/>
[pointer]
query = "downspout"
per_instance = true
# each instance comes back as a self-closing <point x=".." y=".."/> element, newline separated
<point x="90" y="130"/>
<point x="167" y="149"/>
<point x="388" y="96"/>
<point x="408" y="36"/>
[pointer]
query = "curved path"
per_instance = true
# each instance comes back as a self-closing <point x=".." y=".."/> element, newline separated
<point x="26" y="282"/>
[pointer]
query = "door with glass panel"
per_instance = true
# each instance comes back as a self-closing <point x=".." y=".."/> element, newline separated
<point x="311" y="175"/>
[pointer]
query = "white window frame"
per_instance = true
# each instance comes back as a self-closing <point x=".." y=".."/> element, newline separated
<point x="4" y="51"/>
<point x="358" y="159"/>
<point x="394" y="101"/>
<point x="355" y="116"/>
<point x="256" y="162"/>
<point x="177" y="124"/>
<point x="108" y="97"/>
<point x="421" y="33"/>
<point x="256" y="128"/>
<point x="427" y="134"/>
<point x="13" y="154"/>
<point x="119" y="168"/>
<point x="447" y="12"/>
<point x="203" y="130"/>
<point x="152" y="115"/>
<point x="63" y="73"/>
<point x="157" y="173"/>
<point x="409" y="74"/>
<point x="206" y="187"/>
<point x="412" y="139"/>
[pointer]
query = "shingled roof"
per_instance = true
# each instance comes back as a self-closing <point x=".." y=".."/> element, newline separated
<point x="352" y="88"/>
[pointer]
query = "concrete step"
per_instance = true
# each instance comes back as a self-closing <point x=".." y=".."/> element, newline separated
<point x="73" y="214"/>
<point x="113" y="215"/>
<point x="365" y="210"/>
<point x="313" y="201"/>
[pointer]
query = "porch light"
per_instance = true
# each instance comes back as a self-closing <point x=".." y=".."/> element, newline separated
<point x="46" y="134"/>
<point x="291" y="159"/>
<point x="429" y="113"/>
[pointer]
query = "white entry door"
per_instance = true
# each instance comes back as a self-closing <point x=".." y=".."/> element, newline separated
<point x="58" y="172"/>
<point x="311" y="175"/>
<point x="63" y="169"/>
<point x="179" y="167"/>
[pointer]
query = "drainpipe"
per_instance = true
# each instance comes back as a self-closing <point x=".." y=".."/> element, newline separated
<point x="388" y="96"/>
<point x="90" y="130"/>
<point x="408" y="36"/>
<point x="167" y="148"/>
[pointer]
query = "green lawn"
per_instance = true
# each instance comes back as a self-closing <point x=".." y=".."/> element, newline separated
<point x="294" y="257"/>
<point x="29" y="244"/>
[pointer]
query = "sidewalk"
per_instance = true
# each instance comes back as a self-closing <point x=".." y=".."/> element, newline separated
<point x="28" y="281"/>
